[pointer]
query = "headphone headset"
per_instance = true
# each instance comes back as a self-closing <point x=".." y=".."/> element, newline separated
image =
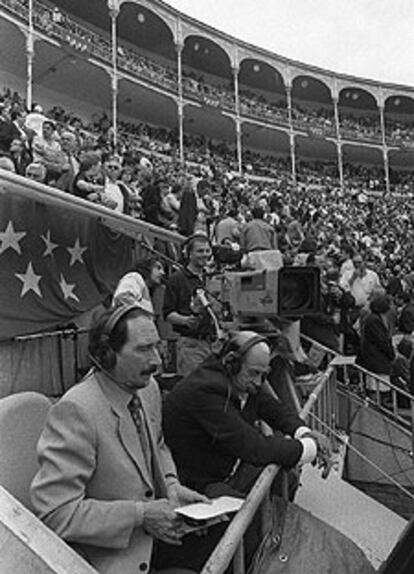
<point x="233" y="352"/>
<point x="189" y="242"/>
<point x="100" y="350"/>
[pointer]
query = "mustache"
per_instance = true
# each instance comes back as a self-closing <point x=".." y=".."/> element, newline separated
<point x="150" y="370"/>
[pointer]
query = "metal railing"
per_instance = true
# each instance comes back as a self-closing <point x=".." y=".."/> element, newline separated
<point x="322" y="411"/>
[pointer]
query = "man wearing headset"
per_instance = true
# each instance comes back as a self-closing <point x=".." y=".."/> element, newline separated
<point x="210" y="422"/>
<point x="183" y="309"/>
<point x="106" y="481"/>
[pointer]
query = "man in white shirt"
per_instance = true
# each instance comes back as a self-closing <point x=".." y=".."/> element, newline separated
<point x="115" y="194"/>
<point x="361" y="282"/>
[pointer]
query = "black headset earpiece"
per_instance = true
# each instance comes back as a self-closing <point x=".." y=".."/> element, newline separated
<point x="101" y="352"/>
<point x="233" y="353"/>
<point x="188" y="243"/>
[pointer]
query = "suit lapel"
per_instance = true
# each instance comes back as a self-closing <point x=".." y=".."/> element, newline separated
<point x="159" y="481"/>
<point x="128" y="435"/>
<point x="127" y="432"/>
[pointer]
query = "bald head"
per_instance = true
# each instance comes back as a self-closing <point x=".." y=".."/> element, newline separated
<point x="254" y="362"/>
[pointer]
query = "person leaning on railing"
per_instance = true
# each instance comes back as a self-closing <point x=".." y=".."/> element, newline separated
<point x="210" y="424"/>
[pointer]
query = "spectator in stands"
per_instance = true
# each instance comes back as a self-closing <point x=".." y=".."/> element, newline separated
<point x="257" y="235"/>
<point x="6" y="163"/>
<point x="188" y="212"/>
<point x="115" y="194"/>
<point x="70" y="167"/>
<point x="127" y="180"/>
<point x="227" y="229"/>
<point x="7" y="130"/>
<point x="20" y="155"/>
<point x="47" y="150"/>
<point x="377" y="351"/>
<point x="400" y="370"/>
<point x="171" y="203"/>
<point x="34" y="120"/>
<point x="184" y="310"/>
<point x="362" y="283"/>
<point x="106" y="480"/>
<point x="151" y="196"/>
<point x="89" y="182"/>
<point x="36" y="172"/>
<point x="406" y="319"/>
<point x="18" y="117"/>
<point x="139" y="285"/>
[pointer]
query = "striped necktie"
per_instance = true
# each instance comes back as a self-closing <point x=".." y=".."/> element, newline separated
<point x="135" y="408"/>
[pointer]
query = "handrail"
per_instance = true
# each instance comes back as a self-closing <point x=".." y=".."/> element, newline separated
<point x="228" y="545"/>
<point x="361" y="369"/>
<point x="396" y="392"/>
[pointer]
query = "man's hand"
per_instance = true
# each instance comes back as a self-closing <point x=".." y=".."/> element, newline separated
<point x="192" y="322"/>
<point x="180" y="495"/>
<point x="162" y="522"/>
<point x="323" y="451"/>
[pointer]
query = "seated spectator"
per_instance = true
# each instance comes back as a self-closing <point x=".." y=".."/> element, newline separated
<point x="6" y="163"/>
<point x="20" y="155"/>
<point x="89" y="182"/>
<point x="36" y="172"/>
<point x="140" y="284"/>
<point x="7" y="131"/>
<point x="47" y="150"/>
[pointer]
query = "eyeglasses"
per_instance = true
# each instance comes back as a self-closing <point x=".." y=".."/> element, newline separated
<point x="113" y="167"/>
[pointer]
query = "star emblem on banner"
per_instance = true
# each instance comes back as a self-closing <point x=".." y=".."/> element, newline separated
<point x="30" y="281"/>
<point x="67" y="289"/>
<point x="50" y="246"/>
<point x="76" y="252"/>
<point x="10" y="238"/>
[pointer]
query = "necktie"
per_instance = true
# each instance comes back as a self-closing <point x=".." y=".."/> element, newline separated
<point x="135" y="408"/>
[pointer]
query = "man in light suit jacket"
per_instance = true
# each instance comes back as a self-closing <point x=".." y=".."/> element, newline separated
<point x="107" y="483"/>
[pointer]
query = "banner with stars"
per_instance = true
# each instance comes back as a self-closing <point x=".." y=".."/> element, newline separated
<point x="54" y="265"/>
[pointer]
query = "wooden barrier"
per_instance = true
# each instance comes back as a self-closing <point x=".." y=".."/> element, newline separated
<point x="27" y="546"/>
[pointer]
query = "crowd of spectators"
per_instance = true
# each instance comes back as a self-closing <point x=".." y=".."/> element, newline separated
<point x="314" y="220"/>
<point x="272" y="108"/>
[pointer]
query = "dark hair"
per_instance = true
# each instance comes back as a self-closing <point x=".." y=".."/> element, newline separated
<point x="258" y="212"/>
<point x="145" y="265"/>
<point x="189" y="243"/>
<point x="380" y="304"/>
<point x="116" y="337"/>
<point x="405" y="347"/>
<point x="89" y="160"/>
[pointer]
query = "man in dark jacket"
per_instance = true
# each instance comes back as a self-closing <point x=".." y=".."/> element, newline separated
<point x="210" y="420"/>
